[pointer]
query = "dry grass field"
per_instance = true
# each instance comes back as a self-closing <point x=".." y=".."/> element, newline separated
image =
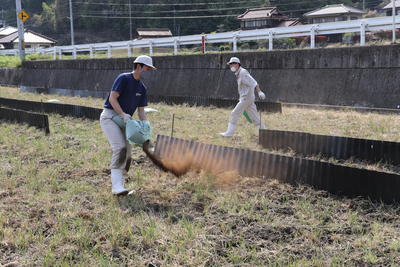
<point x="56" y="208"/>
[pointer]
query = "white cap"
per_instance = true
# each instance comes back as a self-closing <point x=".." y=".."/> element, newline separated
<point x="146" y="60"/>
<point x="233" y="60"/>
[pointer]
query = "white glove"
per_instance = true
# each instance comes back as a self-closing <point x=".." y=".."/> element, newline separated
<point x="261" y="95"/>
<point x="125" y="117"/>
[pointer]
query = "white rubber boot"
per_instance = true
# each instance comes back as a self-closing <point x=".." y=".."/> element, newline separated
<point x="262" y="127"/>
<point x="117" y="181"/>
<point x="230" y="131"/>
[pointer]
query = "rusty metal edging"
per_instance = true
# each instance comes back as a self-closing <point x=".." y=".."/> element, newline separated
<point x="94" y="113"/>
<point x="62" y="109"/>
<point x="37" y="120"/>
<point x="343" y="108"/>
<point x="331" y="146"/>
<point x="211" y="101"/>
<point x="333" y="178"/>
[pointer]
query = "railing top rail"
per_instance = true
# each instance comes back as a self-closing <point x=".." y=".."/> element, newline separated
<point x="378" y="23"/>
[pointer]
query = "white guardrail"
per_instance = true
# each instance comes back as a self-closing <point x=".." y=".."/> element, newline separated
<point x="362" y="26"/>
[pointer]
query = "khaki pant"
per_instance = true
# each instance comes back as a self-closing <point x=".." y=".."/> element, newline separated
<point x="121" y="149"/>
<point x="245" y="104"/>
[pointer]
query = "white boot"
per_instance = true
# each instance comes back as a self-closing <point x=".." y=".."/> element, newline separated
<point x="230" y="131"/>
<point x="117" y="181"/>
<point x="262" y="127"/>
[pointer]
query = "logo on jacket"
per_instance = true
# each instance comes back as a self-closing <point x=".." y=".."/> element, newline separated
<point x="138" y="94"/>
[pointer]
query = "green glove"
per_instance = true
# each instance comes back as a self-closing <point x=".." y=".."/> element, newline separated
<point x="247" y="117"/>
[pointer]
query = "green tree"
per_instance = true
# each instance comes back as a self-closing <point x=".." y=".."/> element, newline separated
<point x="46" y="20"/>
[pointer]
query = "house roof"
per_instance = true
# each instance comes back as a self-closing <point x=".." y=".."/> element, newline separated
<point x="29" y="37"/>
<point x="330" y="10"/>
<point x="160" y="32"/>
<point x="258" y="13"/>
<point x="4" y="31"/>
<point x="289" y="23"/>
<point x="390" y="5"/>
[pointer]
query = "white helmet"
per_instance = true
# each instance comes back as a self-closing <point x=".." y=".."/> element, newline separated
<point x="233" y="60"/>
<point x="146" y="60"/>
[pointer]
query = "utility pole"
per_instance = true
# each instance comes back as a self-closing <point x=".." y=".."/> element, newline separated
<point x="175" y="29"/>
<point x="363" y="4"/>
<point x="130" y="20"/>
<point x="71" y="19"/>
<point x="20" y="24"/>
<point x="394" y="21"/>
<point x="3" y="22"/>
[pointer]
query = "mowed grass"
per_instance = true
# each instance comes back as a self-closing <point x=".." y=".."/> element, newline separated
<point x="56" y="208"/>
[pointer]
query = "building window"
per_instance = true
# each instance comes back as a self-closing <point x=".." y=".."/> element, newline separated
<point x="329" y="19"/>
<point x="353" y="18"/>
<point x="317" y="20"/>
<point x="250" y="23"/>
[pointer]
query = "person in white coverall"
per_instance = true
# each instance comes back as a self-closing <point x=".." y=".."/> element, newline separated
<point x="128" y="93"/>
<point x="246" y="87"/>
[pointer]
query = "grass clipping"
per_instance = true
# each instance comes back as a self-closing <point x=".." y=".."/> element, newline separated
<point x="181" y="162"/>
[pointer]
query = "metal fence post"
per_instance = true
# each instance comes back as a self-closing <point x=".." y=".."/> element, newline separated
<point x="362" y="33"/>
<point x="91" y="51"/>
<point x="312" y="36"/>
<point x="176" y="46"/>
<point x="203" y="44"/>
<point x="234" y="43"/>
<point x="129" y="50"/>
<point x="60" y="53"/>
<point x="270" y="41"/>
<point x="54" y="53"/>
<point x="74" y="53"/>
<point x="151" y="48"/>
<point x="109" y="54"/>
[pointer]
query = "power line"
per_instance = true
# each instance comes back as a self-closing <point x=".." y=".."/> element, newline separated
<point x="209" y="10"/>
<point x="121" y="13"/>
<point x="176" y="11"/>
<point x="196" y="10"/>
<point x="181" y="17"/>
<point x="176" y="4"/>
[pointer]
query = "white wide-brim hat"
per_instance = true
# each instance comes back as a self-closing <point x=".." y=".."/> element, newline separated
<point x="146" y="60"/>
<point x="233" y="60"/>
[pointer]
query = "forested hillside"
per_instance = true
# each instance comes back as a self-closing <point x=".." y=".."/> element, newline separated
<point x="112" y="20"/>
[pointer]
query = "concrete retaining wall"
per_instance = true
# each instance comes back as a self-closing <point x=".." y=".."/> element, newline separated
<point x="10" y="76"/>
<point x="358" y="76"/>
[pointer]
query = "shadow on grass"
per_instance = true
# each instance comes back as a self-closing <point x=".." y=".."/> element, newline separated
<point x="135" y="203"/>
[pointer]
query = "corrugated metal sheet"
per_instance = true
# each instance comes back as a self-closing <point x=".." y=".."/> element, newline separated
<point x="209" y="101"/>
<point x="94" y="113"/>
<point x="62" y="109"/>
<point x="334" y="178"/>
<point x="331" y="146"/>
<point x="40" y="121"/>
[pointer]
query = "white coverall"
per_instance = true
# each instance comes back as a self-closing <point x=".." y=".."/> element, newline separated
<point x="246" y="86"/>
